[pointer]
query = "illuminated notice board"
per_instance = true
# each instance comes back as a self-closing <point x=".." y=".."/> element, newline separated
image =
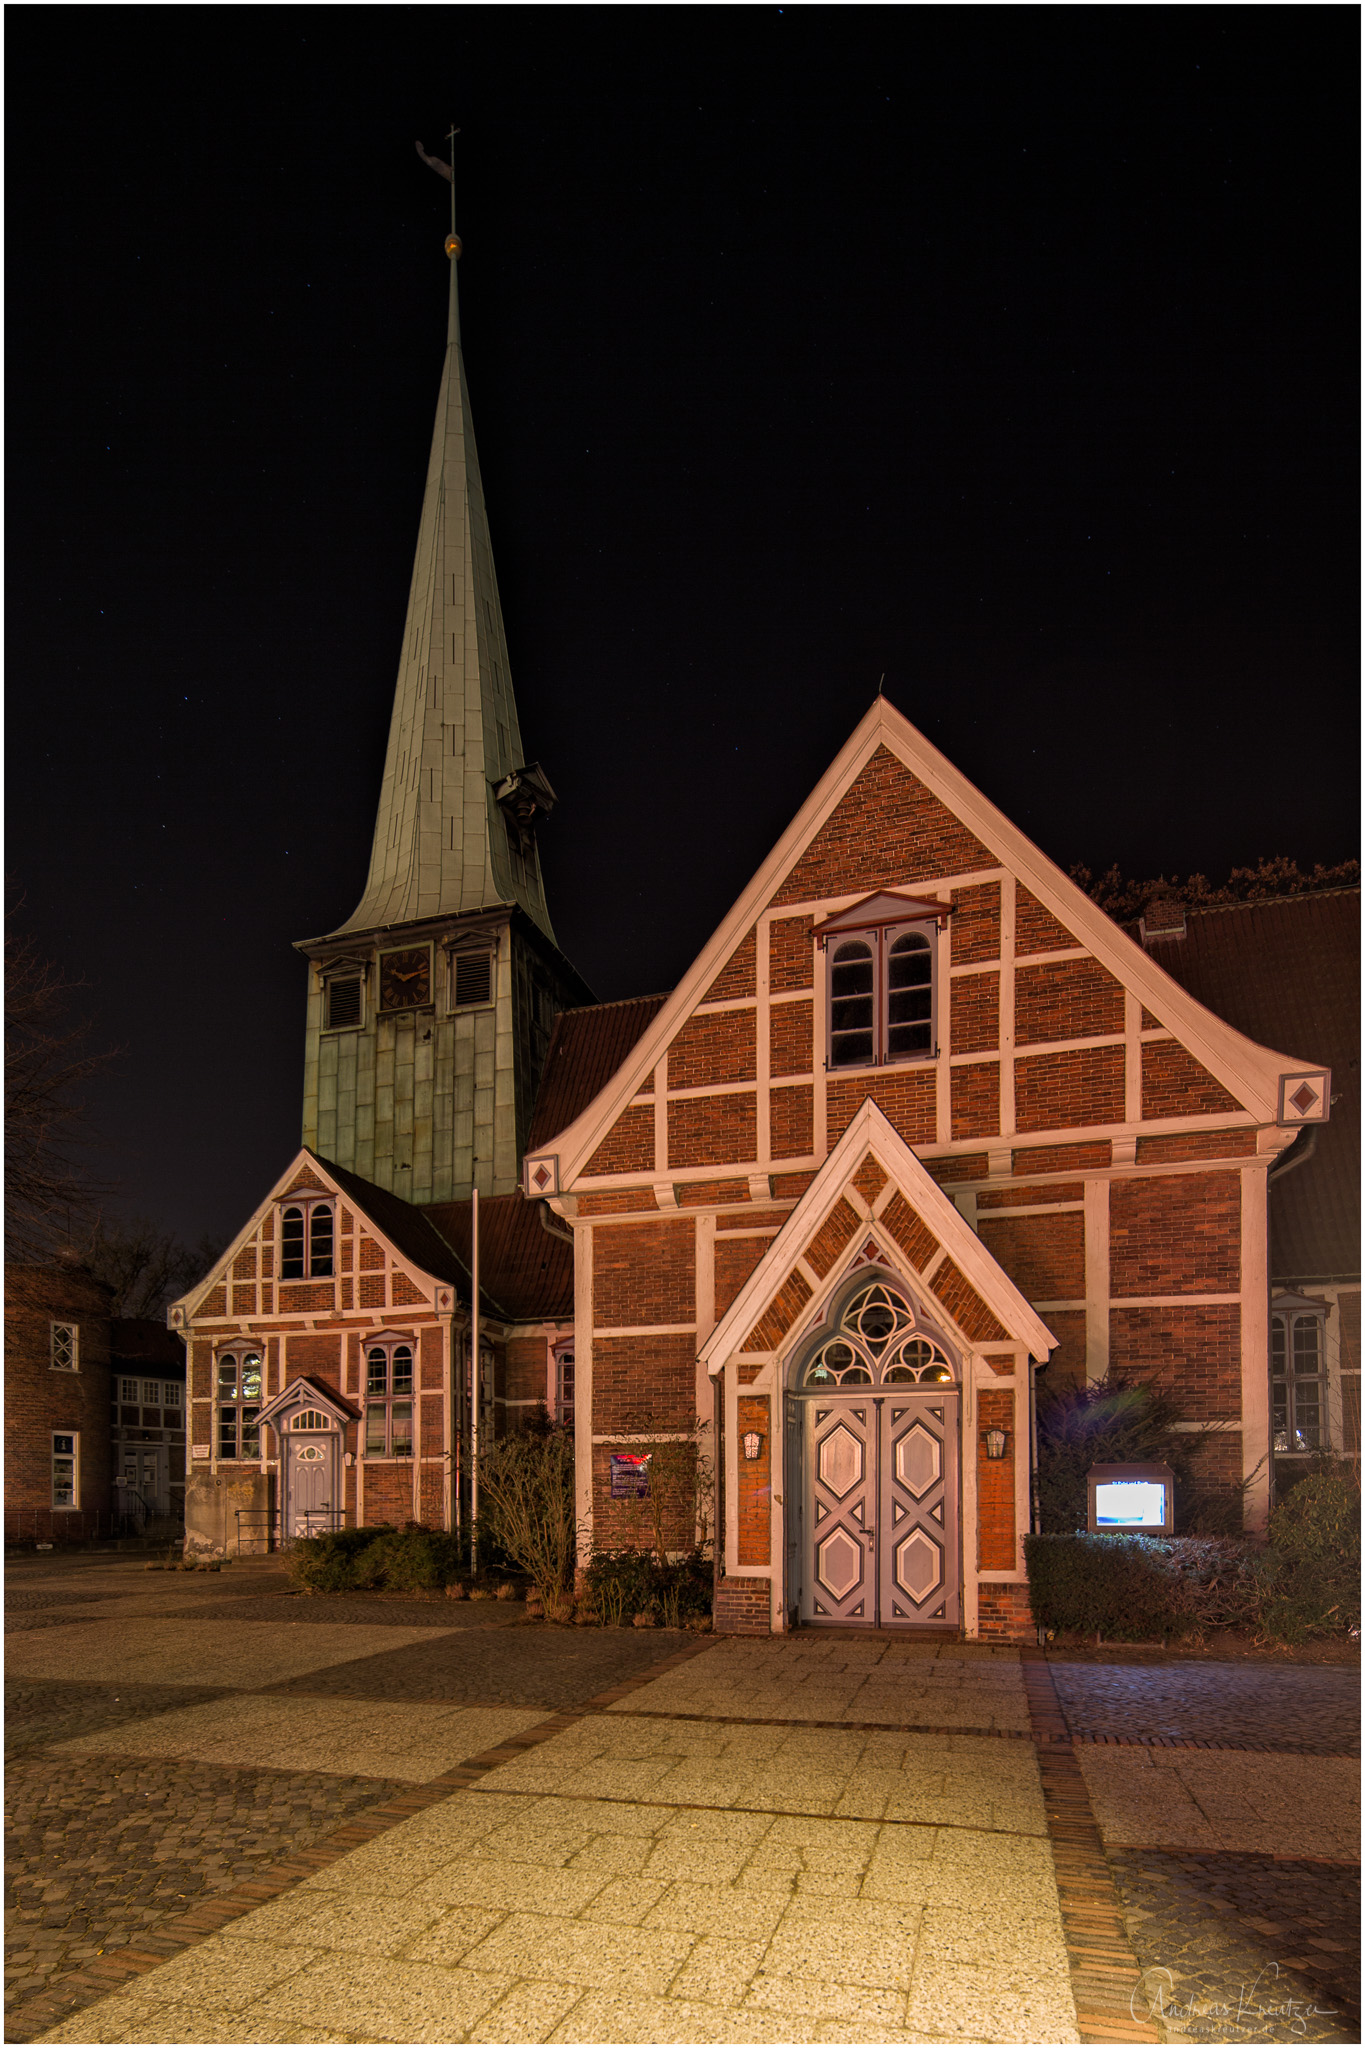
<point x="1131" y="1500"/>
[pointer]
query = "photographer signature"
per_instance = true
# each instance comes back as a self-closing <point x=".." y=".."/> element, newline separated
<point x="1253" y="2002"/>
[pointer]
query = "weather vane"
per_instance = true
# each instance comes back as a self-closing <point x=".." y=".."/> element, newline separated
<point x="447" y="171"/>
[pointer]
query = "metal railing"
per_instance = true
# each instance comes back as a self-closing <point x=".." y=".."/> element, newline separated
<point x="67" y="1528"/>
<point x="267" y="1523"/>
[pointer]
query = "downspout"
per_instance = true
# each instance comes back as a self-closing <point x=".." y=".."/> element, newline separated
<point x="552" y="1229"/>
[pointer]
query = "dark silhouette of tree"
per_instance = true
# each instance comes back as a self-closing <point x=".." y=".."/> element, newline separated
<point x="1125" y="901"/>
<point x="49" y="1192"/>
<point x="143" y="1266"/>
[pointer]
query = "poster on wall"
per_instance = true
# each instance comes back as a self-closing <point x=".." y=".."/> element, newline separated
<point x="629" y="1476"/>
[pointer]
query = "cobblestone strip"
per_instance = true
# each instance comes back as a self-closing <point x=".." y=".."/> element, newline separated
<point x="103" y="1974"/>
<point x="1105" y="1974"/>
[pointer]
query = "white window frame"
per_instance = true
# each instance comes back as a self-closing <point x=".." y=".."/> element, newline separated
<point x="128" y="1399"/>
<point x="65" y="1336"/>
<point x="1287" y="1315"/>
<point x="171" y="1395"/>
<point x="880" y="939"/>
<point x="308" y="1204"/>
<point x="561" y="1408"/>
<point x="239" y="1403"/>
<point x="381" y="1401"/>
<point x="73" y="1437"/>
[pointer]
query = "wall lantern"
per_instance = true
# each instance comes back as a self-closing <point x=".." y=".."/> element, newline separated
<point x="996" y="1440"/>
<point x="753" y="1443"/>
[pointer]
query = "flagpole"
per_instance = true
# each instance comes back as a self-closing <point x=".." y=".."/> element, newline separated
<point x="476" y="1377"/>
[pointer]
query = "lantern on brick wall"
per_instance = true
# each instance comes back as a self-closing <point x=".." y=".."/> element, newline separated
<point x="753" y="1443"/>
<point x="996" y="1440"/>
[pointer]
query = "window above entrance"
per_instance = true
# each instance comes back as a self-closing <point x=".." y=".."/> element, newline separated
<point x="876" y="1343"/>
<point x="880" y="959"/>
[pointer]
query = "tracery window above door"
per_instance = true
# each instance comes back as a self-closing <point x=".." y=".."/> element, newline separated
<point x="876" y="1343"/>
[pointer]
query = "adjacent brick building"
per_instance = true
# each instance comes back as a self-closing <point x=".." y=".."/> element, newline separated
<point x="57" y="1388"/>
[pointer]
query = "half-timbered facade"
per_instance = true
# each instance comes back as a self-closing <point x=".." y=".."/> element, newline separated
<point x="915" y="1052"/>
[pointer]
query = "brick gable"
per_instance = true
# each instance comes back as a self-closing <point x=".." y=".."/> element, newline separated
<point x="885" y="831"/>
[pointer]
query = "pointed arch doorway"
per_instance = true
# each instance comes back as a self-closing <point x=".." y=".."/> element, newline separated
<point x="873" y="1415"/>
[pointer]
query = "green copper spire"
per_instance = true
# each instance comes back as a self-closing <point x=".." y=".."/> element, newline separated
<point x="453" y="832"/>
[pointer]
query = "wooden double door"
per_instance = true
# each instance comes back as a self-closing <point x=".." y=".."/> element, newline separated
<point x="879" y="1542"/>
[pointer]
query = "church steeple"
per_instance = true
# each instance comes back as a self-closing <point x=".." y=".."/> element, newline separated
<point x="430" y="1008"/>
<point x="453" y="833"/>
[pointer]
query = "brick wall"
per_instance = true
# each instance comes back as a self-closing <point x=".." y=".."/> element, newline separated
<point x="1175" y="1234"/>
<point x="754" y="1484"/>
<point x="1004" y="1614"/>
<point x="837" y="1232"/>
<point x="643" y="1273"/>
<point x="737" y="977"/>
<point x="527" y="1376"/>
<point x="975" y="923"/>
<point x="1196" y="1353"/>
<point x="1175" y="1084"/>
<point x="1043" y="1255"/>
<point x="995" y="1546"/>
<point x="791" y="1122"/>
<point x="712" y="1130"/>
<point x="965" y="1305"/>
<point x="1066" y="1367"/>
<point x="629" y="1524"/>
<point x="887" y="830"/>
<point x="388" y="1491"/>
<point x="742" y="1607"/>
<point x="40" y="1399"/>
<point x="976" y="1100"/>
<point x="975" y="1012"/>
<point x="712" y="1049"/>
<point x="1175" y="1145"/>
<point x="910" y="1231"/>
<point x="1084" y="1086"/>
<point x="1073" y="999"/>
<point x="1063" y="1159"/>
<point x="736" y="1259"/>
<point x="1036" y="930"/>
<point x="791" y="1029"/>
<point x="907" y="1097"/>
<point x="628" y="1146"/>
<point x="791" y="953"/>
<point x="641" y="1383"/>
<point x="319" y="1356"/>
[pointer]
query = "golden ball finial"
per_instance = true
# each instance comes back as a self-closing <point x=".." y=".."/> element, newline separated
<point x="454" y="245"/>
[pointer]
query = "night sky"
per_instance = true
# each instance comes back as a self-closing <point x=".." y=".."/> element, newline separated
<point x="1008" y="352"/>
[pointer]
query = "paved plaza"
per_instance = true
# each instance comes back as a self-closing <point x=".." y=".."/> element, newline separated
<point x="238" y="1813"/>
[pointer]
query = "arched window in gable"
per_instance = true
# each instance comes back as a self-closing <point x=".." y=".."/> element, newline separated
<point x="307" y="1240"/>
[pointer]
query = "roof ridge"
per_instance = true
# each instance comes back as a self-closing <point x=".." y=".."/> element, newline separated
<point x="618" y="1003"/>
<point x="1258" y="902"/>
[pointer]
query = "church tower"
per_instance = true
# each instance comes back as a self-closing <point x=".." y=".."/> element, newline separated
<point x="429" y="1009"/>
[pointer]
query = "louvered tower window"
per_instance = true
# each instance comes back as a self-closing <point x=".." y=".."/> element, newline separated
<point x="343" y="1003"/>
<point x="471" y="980"/>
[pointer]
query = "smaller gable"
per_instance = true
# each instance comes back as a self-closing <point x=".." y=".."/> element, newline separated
<point x="961" y="1274"/>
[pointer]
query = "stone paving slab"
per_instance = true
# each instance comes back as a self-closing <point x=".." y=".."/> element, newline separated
<point x="533" y="1665"/>
<point x="1312" y="1709"/>
<point x="147" y="1651"/>
<point x="938" y="1685"/>
<point x="382" y="1611"/>
<point x="371" y="1738"/>
<point x="960" y="1781"/>
<point x="497" y="1916"/>
<point x="1272" y="1805"/>
<point x="1242" y="1947"/>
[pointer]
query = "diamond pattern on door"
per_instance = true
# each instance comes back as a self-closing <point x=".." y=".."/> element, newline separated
<point x="839" y="1564"/>
<point x="919" y="1460"/>
<point x="919" y="1566"/>
<point x="841" y="1461"/>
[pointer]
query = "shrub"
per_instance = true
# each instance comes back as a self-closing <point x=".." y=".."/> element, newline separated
<point x="414" y="1559"/>
<point x="526" y="1507"/>
<point x="1113" y="1422"/>
<point x="1310" y="1571"/>
<point x="673" y="1513"/>
<point x="1136" y="1587"/>
<point x="619" y="1584"/>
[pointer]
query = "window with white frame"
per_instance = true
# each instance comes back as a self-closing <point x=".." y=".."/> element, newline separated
<point x="66" y="1347"/>
<point x="388" y="1399"/>
<point x="127" y="1390"/>
<point x="880" y="992"/>
<point x="307" y="1232"/>
<point x="66" y="1445"/>
<point x="1298" y="1391"/>
<point x="171" y="1395"/>
<point x="239" y="1404"/>
<point x="563" y="1380"/>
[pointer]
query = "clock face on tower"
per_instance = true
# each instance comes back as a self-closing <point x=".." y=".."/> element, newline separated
<point x="405" y="979"/>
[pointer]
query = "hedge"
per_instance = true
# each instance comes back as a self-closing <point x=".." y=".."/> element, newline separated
<point x="619" y="1584"/>
<point x="1134" y="1588"/>
<point x="412" y="1560"/>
